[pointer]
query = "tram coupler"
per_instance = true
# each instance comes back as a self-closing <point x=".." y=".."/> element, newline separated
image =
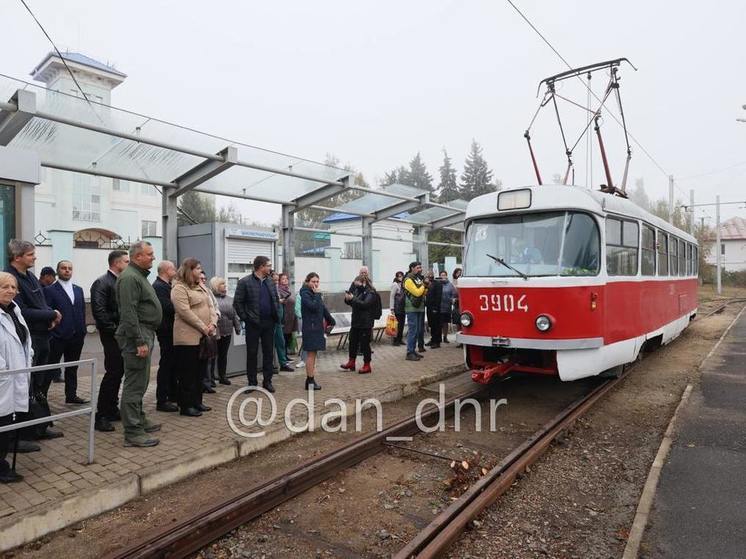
<point x="486" y="374"/>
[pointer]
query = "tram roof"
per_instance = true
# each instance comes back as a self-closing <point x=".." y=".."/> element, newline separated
<point x="550" y="197"/>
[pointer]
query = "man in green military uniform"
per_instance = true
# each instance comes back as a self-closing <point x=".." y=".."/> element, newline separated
<point x="139" y="315"/>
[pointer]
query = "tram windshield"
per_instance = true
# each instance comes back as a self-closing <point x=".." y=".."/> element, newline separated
<point x="545" y="244"/>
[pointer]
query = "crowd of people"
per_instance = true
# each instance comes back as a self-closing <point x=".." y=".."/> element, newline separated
<point x="414" y="297"/>
<point x="42" y="321"/>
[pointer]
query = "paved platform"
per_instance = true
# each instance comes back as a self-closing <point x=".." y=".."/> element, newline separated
<point x="60" y="488"/>
<point x="700" y="506"/>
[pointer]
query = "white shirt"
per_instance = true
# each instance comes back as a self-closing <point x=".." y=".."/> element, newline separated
<point x="68" y="287"/>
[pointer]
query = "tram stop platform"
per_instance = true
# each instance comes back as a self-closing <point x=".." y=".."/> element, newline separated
<point x="60" y="488"/>
<point x="700" y="505"/>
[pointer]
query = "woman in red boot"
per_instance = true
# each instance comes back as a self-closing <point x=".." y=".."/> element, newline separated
<point x="362" y="299"/>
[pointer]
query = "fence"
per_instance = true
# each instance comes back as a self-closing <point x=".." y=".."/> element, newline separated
<point x="90" y="410"/>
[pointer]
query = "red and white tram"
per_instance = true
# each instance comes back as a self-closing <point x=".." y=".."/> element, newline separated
<point x="562" y="280"/>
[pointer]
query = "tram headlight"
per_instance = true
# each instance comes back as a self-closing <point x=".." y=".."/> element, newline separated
<point x="543" y="323"/>
<point x="466" y="319"/>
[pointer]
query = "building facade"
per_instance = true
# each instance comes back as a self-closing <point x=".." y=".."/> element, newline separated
<point x="732" y="245"/>
<point x="82" y="217"/>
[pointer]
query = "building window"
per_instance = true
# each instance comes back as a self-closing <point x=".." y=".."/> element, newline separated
<point x="149" y="228"/>
<point x="86" y="198"/>
<point x="353" y="250"/>
<point x="622" y="242"/>
<point x="121" y="186"/>
<point x="7" y="218"/>
<point x="722" y="249"/>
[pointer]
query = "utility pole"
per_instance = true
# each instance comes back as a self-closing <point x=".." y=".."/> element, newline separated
<point x="717" y="243"/>
<point x="691" y="212"/>
<point x="670" y="199"/>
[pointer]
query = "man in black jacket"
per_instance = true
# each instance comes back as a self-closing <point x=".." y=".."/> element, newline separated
<point x="40" y="318"/>
<point x="166" y="393"/>
<point x="256" y="303"/>
<point x="106" y="314"/>
<point x="432" y="303"/>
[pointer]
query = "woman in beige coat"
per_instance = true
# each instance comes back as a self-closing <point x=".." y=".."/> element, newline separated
<point x="194" y="317"/>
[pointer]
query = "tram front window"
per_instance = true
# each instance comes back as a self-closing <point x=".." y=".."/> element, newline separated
<point x="546" y="244"/>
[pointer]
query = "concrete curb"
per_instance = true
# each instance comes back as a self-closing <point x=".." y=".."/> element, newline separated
<point x="645" y="505"/>
<point x="49" y="517"/>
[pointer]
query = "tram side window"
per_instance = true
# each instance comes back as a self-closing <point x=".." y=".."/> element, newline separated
<point x="682" y="257"/>
<point x="622" y="244"/>
<point x="688" y="259"/>
<point x="674" y="253"/>
<point x="695" y="261"/>
<point x="662" y="253"/>
<point x="648" y="251"/>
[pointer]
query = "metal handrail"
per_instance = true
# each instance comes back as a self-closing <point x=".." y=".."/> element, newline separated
<point x="64" y="415"/>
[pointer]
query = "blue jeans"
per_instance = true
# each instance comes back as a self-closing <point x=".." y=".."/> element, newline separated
<point x="414" y="328"/>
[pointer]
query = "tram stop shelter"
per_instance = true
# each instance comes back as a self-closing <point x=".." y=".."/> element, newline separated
<point x="45" y="129"/>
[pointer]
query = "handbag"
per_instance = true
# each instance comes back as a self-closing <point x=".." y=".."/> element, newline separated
<point x="392" y="325"/>
<point x="208" y="347"/>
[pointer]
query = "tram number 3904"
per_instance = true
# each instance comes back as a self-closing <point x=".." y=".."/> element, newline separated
<point x="503" y="303"/>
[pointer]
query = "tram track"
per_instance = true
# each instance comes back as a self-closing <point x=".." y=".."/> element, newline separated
<point x="206" y="526"/>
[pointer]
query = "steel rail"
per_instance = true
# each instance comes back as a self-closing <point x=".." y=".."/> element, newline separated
<point x="204" y="527"/>
<point x="445" y="529"/>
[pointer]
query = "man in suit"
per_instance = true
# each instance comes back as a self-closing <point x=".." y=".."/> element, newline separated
<point x="256" y="304"/>
<point x="167" y="387"/>
<point x="68" y="336"/>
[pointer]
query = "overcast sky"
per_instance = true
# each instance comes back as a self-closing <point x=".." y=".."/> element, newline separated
<point x="375" y="82"/>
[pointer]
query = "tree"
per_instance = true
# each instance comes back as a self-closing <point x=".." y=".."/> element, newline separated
<point x="399" y="175"/>
<point x="196" y="207"/>
<point x="477" y="177"/>
<point x="418" y="175"/>
<point x="448" y="187"/>
<point x="639" y="196"/>
<point x="230" y="214"/>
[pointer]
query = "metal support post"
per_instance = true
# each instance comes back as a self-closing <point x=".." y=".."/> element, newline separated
<point x="717" y="244"/>
<point x="12" y="122"/>
<point x="691" y="212"/>
<point x="367" y="242"/>
<point x="421" y="246"/>
<point x="288" y="242"/>
<point x="170" y="227"/>
<point x="670" y="198"/>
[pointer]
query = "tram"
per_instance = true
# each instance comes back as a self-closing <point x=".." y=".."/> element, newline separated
<point x="567" y="281"/>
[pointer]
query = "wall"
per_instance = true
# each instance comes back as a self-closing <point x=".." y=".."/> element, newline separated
<point x="734" y="259"/>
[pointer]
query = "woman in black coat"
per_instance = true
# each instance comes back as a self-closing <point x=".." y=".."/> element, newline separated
<point x="362" y="299"/>
<point x="313" y="314"/>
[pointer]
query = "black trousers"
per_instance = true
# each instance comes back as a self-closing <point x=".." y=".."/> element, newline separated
<point x="436" y="330"/>
<point x="108" y="392"/>
<point x="400" y="320"/>
<point x="264" y="332"/>
<point x="221" y="359"/>
<point x="6" y="440"/>
<point x="360" y="341"/>
<point x="40" y="383"/>
<point x="167" y="387"/>
<point x="189" y="369"/>
<point x="40" y="345"/>
<point x="70" y="350"/>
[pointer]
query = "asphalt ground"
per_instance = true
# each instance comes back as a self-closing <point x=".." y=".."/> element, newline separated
<point x="700" y="506"/>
